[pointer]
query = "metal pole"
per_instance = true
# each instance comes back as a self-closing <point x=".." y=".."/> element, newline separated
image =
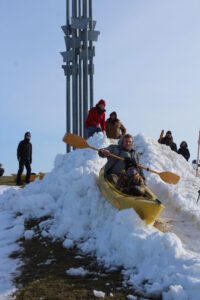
<point x="91" y="60"/>
<point x="85" y="67"/>
<point x="68" y="104"/>
<point x="80" y="83"/>
<point x="78" y="31"/>
<point x="197" y="165"/>
<point x="74" y="72"/>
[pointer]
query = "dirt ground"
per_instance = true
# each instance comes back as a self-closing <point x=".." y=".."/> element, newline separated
<point x="43" y="273"/>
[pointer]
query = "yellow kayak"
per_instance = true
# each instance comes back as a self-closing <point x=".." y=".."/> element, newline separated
<point x="148" y="207"/>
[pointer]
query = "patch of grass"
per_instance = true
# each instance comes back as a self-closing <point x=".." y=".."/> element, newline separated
<point x="7" y="180"/>
<point x="43" y="273"/>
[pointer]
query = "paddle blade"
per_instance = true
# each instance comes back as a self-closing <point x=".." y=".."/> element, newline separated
<point x="169" y="177"/>
<point x="75" y="141"/>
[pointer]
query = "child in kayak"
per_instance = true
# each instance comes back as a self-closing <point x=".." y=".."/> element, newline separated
<point x="131" y="182"/>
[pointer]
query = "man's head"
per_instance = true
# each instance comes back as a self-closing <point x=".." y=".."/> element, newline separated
<point x="113" y="116"/>
<point x="183" y="144"/>
<point x="127" y="143"/>
<point x="27" y="136"/>
<point x="169" y="134"/>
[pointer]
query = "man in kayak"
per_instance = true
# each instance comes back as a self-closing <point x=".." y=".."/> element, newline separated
<point x="168" y="140"/>
<point x="124" y="174"/>
<point x="95" y="121"/>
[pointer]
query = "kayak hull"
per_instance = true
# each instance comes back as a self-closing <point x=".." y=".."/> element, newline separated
<point x="148" y="207"/>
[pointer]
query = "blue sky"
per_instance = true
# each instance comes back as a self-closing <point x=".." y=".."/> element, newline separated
<point x="147" y="67"/>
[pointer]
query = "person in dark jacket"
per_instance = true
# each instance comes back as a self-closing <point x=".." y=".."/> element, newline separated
<point x="1" y="170"/>
<point x="183" y="150"/>
<point x="194" y="162"/>
<point x="125" y="174"/>
<point x="95" y="121"/>
<point x="168" y="140"/>
<point x="114" y="128"/>
<point x="24" y="156"/>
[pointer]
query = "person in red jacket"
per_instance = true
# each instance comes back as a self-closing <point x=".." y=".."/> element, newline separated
<point x="95" y="121"/>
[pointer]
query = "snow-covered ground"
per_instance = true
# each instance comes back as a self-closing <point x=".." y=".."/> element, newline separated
<point x="152" y="261"/>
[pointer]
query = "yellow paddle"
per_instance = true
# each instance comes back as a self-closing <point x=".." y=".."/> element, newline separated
<point x="79" y="142"/>
<point x="161" y="136"/>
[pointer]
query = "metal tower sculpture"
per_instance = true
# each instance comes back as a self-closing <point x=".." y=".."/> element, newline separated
<point x="79" y="68"/>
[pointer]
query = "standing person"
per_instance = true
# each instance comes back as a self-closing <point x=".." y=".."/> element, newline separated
<point x="24" y="155"/>
<point x="168" y="140"/>
<point x="1" y="170"/>
<point x="183" y="150"/>
<point x="114" y="128"/>
<point x="95" y="121"/>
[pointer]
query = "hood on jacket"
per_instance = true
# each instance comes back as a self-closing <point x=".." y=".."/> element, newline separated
<point x="181" y="144"/>
<point x="120" y="142"/>
<point x="102" y="101"/>
<point x="113" y="113"/>
<point x="169" y="138"/>
<point x="27" y="133"/>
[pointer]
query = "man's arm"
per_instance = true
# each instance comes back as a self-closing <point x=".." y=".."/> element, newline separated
<point x="174" y="147"/>
<point x="123" y="129"/>
<point x="105" y="152"/>
<point x="89" y="118"/>
<point x="188" y="154"/>
<point x="31" y="155"/>
<point x="103" y="123"/>
<point x="19" y="151"/>
<point x="138" y="168"/>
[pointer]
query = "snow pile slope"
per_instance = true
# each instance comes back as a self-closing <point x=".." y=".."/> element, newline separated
<point x="152" y="262"/>
<point x="11" y="229"/>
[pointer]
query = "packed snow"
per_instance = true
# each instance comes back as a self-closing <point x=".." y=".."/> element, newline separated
<point x="153" y="262"/>
<point x="99" y="294"/>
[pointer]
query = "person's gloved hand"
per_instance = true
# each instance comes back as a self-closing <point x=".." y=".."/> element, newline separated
<point x="130" y="162"/>
<point x="104" y="153"/>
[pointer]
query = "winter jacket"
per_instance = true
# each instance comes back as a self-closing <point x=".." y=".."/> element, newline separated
<point x="1" y="171"/>
<point x="184" y="150"/>
<point x="114" y="165"/>
<point x="96" y="117"/>
<point x="114" y="129"/>
<point x="24" y="151"/>
<point x="169" y="142"/>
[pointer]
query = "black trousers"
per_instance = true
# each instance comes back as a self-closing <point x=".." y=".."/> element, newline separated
<point x="27" y="165"/>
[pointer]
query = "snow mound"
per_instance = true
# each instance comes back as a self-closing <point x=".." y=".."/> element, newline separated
<point x="152" y="262"/>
